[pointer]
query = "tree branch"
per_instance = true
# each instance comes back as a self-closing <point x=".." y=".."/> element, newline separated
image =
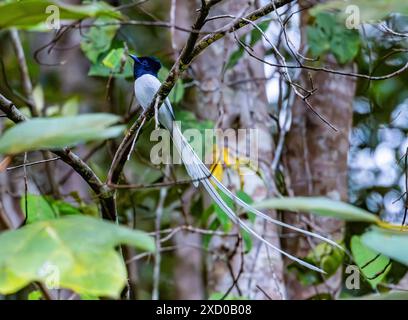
<point x="190" y="51"/>
<point x="25" y="78"/>
<point x="103" y="192"/>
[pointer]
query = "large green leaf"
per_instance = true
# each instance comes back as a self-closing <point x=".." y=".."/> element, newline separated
<point x="369" y="10"/>
<point x="38" y="208"/>
<point x="319" y="206"/>
<point x="112" y="64"/>
<point x="76" y="250"/>
<point x="42" y="208"/>
<point x="373" y="266"/>
<point x="329" y="34"/>
<point x="393" y="244"/>
<point x="52" y="133"/>
<point x="29" y="13"/>
<point x="98" y="39"/>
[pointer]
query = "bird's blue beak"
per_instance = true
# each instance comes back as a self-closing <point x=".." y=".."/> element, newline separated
<point x="134" y="58"/>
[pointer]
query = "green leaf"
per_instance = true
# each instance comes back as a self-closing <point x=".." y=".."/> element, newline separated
<point x="319" y="206"/>
<point x="113" y="59"/>
<point x="70" y="107"/>
<point x="329" y="34"/>
<point x="98" y="39"/>
<point x="373" y="266"/>
<point x="327" y="257"/>
<point x="318" y="41"/>
<point x="247" y="238"/>
<point x="225" y="221"/>
<point x="214" y="225"/>
<point x="393" y="244"/>
<point x="369" y="10"/>
<point x="88" y="297"/>
<point x="345" y="44"/>
<point x="247" y="199"/>
<point x="39" y="208"/>
<point x="115" y="63"/>
<point x="234" y="58"/>
<point x="256" y="35"/>
<point x="35" y="295"/>
<point x="29" y="13"/>
<point x="77" y="251"/>
<point x="53" y="133"/>
<point x="42" y="208"/>
<point x="38" y="96"/>
<point x="64" y="208"/>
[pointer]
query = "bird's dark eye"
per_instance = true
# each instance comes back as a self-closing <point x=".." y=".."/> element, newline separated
<point x="144" y="62"/>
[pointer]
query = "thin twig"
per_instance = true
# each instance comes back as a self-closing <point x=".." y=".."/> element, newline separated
<point x="157" y="256"/>
<point x="33" y="163"/>
<point x="25" y="78"/>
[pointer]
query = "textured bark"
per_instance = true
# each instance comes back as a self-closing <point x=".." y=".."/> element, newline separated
<point x="188" y="275"/>
<point x="316" y="160"/>
<point x="241" y="106"/>
<point x="189" y="268"/>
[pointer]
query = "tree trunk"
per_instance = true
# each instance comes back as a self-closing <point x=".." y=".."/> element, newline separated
<point x="316" y="160"/>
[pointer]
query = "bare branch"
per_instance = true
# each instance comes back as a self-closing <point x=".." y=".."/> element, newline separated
<point x="25" y="78"/>
<point x="103" y="192"/>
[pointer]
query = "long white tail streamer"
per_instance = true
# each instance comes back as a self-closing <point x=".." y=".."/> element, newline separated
<point x="145" y="89"/>
<point x="200" y="173"/>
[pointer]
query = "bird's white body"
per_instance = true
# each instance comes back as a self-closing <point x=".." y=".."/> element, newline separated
<point x="146" y="87"/>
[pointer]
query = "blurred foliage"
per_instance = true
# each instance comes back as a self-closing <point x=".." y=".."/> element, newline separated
<point x="99" y="38"/>
<point x="91" y="73"/>
<point x="59" y="132"/>
<point x="325" y="257"/>
<point x="28" y="14"/>
<point x="42" y="208"/>
<point x="368" y="10"/>
<point x="65" y="251"/>
<point x="329" y="34"/>
<point x="320" y="206"/>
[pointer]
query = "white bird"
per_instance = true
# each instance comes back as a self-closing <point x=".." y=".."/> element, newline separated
<point x="146" y="85"/>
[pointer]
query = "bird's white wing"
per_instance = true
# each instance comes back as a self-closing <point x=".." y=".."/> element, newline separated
<point x="146" y="87"/>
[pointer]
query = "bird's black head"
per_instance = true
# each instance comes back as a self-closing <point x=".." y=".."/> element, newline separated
<point x="145" y="65"/>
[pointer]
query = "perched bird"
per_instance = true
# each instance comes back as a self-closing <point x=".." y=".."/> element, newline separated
<point x="146" y="85"/>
